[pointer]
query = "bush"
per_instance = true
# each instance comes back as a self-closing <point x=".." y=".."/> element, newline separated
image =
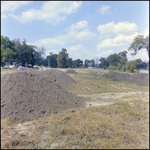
<point x="112" y="68"/>
<point x="118" y="66"/>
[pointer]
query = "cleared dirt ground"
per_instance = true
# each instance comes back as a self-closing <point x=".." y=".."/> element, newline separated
<point x="115" y="115"/>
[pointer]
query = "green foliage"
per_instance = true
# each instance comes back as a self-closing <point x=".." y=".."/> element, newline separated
<point x="86" y="63"/>
<point x="27" y="53"/>
<point x="52" y="60"/>
<point x="8" y="50"/>
<point x="62" y="58"/>
<point x="77" y="63"/>
<point x="113" y="59"/>
<point x="123" y="54"/>
<point x="111" y="67"/>
<point x="137" y="64"/>
<point x="118" y="66"/>
<point x="70" y="62"/>
<point x="93" y="63"/>
<point x="138" y="43"/>
<point x="123" y="61"/>
<point x="104" y="63"/>
<point x="130" y="66"/>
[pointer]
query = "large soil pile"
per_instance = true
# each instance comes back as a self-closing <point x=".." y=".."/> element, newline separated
<point x="141" y="79"/>
<point x="26" y="95"/>
<point x="71" y="71"/>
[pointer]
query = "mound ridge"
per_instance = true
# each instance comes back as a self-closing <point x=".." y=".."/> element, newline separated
<point x="71" y="71"/>
<point x="27" y="95"/>
<point x="141" y="79"/>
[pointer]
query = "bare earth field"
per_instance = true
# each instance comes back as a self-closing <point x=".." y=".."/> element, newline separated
<point x="83" y="110"/>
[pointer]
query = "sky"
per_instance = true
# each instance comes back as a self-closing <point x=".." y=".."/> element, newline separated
<point x="87" y="29"/>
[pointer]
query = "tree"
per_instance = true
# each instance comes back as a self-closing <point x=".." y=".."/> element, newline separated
<point x="8" y="50"/>
<point x="137" y="64"/>
<point x="113" y="59"/>
<point x="143" y="65"/>
<point x="93" y="63"/>
<point x="104" y="63"/>
<point x="52" y="60"/>
<point x="27" y="53"/>
<point x="138" y="43"/>
<point x="77" y="63"/>
<point x="130" y="66"/>
<point x="62" y="58"/>
<point x="123" y="54"/>
<point x="86" y="63"/>
<point x="70" y="62"/>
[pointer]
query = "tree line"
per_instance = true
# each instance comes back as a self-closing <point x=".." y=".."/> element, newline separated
<point x="18" y="51"/>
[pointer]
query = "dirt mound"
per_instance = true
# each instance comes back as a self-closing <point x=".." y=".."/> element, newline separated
<point x="119" y="76"/>
<point x="59" y="77"/>
<point x="71" y="71"/>
<point x="27" y="95"/>
<point x="141" y="79"/>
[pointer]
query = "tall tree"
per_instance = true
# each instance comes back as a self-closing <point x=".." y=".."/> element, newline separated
<point x="92" y="63"/>
<point x="27" y="53"/>
<point x="137" y="64"/>
<point x="62" y="58"/>
<point x="70" y="62"/>
<point x="113" y="59"/>
<point x="86" y="63"/>
<point x="104" y="63"/>
<point x="52" y="60"/>
<point x="8" y="50"/>
<point x="123" y="54"/>
<point x="130" y="66"/>
<point x="138" y="43"/>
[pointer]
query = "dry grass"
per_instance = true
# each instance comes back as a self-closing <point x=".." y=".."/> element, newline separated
<point x="114" y="126"/>
<point x="122" y="125"/>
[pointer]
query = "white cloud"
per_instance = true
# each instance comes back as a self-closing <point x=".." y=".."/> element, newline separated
<point x="104" y="9"/>
<point x="80" y="51"/>
<point x="3" y="16"/>
<point x="105" y="53"/>
<point x="70" y="36"/>
<point x="85" y="34"/>
<point x="51" y="11"/>
<point x="78" y="25"/>
<point x="51" y="51"/>
<point x="12" y="5"/>
<point x="120" y="40"/>
<point x="58" y="40"/>
<point x="119" y="28"/>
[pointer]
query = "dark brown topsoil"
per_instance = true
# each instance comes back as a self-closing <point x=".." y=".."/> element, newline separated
<point x="26" y="95"/>
<point x="71" y="71"/>
<point x="141" y="79"/>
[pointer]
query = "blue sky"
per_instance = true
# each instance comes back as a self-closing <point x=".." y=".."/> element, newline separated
<point x="87" y="29"/>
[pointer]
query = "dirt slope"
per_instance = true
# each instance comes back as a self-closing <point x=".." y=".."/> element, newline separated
<point x="141" y="79"/>
<point x="71" y="71"/>
<point x="27" y="95"/>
